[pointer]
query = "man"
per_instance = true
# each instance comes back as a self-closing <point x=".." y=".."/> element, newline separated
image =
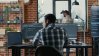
<point x="50" y="35"/>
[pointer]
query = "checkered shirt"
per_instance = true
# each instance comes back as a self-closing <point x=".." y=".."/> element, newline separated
<point x="51" y="36"/>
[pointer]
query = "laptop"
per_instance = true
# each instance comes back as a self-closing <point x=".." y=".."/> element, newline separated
<point x="14" y="38"/>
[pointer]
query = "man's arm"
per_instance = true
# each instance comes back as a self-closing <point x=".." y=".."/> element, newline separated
<point x="37" y="40"/>
<point x="66" y="38"/>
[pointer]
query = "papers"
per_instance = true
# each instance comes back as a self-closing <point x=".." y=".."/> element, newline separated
<point x="2" y="31"/>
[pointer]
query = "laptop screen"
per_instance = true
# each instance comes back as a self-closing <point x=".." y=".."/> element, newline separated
<point x="14" y="38"/>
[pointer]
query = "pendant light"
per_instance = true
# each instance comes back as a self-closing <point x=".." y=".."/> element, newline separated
<point x="75" y="3"/>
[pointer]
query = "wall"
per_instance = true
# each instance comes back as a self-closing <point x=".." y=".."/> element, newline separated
<point x="30" y="12"/>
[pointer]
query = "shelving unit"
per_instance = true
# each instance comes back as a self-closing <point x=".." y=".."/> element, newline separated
<point x="11" y="19"/>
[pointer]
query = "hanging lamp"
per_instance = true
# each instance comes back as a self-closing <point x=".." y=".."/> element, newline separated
<point x="75" y="3"/>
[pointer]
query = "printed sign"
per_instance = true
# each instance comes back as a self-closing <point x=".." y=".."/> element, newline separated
<point x="95" y="21"/>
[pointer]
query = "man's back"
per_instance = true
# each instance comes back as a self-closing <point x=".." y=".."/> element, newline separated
<point x="50" y="35"/>
<point x="54" y="36"/>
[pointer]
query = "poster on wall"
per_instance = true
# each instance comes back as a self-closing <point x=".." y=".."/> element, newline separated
<point x="95" y="21"/>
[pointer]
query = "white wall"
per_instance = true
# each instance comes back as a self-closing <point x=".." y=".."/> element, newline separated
<point x="79" y="10"/>
<point x="8" y="1"/>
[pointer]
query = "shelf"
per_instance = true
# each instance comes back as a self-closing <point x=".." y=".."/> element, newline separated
<point x="3" y="46"/>
<point x="10" y="12"/>
<point x="14" y="12"/>
<point x="14" y="23"/>
<point x="9" y="23"/>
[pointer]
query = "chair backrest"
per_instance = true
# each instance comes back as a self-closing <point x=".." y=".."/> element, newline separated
<point x="47" y="51"/>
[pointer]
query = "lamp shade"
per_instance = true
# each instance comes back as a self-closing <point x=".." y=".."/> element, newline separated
<point x="75" y="3"/>
<point x="77" y="17"/>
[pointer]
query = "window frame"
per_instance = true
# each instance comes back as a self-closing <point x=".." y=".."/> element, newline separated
<point x="54" y="8"/>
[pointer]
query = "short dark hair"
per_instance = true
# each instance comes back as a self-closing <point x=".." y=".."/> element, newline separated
<point x="65" y="11"/>
<point x="50" y="17"/>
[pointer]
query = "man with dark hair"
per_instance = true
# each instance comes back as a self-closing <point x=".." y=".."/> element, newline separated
<point x="50" y="35"/>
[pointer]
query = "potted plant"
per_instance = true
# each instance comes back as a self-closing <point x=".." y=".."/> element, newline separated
<point x="8" y="29"/>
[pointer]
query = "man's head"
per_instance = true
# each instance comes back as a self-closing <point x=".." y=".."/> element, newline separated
<point x="48" y="19"/>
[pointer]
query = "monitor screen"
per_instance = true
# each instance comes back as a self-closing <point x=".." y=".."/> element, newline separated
<point x="14" y="38"/>
<point x="71" y="30"/>
<point x="29" y="30"/>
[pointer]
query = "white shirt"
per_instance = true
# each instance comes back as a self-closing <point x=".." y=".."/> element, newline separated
<point x="67" y="19"/>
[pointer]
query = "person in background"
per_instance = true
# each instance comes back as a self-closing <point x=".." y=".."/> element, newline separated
<point x="66" y="17"/>
<point x="51" y="35"/>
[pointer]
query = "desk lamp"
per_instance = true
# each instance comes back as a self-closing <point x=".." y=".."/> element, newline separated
<point x="77" y="17"/>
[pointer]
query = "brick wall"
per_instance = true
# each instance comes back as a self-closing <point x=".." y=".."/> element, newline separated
<point x="88" y="40"/>
<point x="30" y="11"/>
<point x="11" y="16"/>
<point x="90" y="3"/>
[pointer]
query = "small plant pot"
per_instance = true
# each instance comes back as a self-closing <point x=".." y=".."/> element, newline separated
<point x="8" y="21"/>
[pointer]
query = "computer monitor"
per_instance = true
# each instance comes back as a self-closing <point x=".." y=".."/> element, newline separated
<point x="71" y="30"/>
<point x="29" y="30"/>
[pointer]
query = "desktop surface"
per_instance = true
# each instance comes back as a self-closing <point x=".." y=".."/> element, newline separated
<point x="68" y="46"/>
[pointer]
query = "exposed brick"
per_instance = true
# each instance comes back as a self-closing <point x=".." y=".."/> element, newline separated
<point x="30" y="9"/>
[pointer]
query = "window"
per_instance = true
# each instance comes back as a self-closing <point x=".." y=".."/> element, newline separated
<point x="60" y="5"/>
<point x="80" y="11"/>
<point x="51" y="6"/>
<point x="44" y="7"/>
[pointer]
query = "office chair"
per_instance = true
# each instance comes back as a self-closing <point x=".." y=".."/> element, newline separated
<point x="47" y="51"/>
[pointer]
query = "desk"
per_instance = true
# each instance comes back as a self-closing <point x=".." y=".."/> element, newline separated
<point x="83" y="46"/>
<point x="16" y="48"/>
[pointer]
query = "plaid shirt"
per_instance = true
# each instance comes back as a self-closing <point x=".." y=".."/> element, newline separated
<point x="51" y="36"/>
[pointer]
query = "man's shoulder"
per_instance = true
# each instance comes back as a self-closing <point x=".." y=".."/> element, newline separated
<point x="57" y="27"/>
<point x="41" y="30"/>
